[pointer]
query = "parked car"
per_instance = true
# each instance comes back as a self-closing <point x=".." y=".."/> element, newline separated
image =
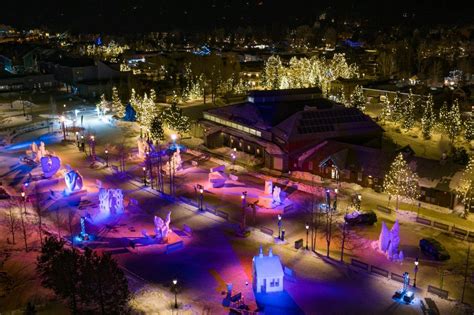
<point x="361" y="217"/>
<point x="434" y="249"/>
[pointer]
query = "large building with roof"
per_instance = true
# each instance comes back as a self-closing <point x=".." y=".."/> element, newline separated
<point x="278" y="126"/>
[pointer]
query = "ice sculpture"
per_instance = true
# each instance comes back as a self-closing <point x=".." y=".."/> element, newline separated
<point x="111" y="201"/>
<point x="162" y="228"/>
<point x="50" y="165"/>
<point x="73" y="180"/>
<point x="276" y="195"/>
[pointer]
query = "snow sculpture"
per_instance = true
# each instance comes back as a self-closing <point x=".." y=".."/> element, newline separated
<point x="176" y="162"/>
<point x="276" y="195"/>
<point x="73" y="180"/>
<point x="389" y="242"/>
<point x="34" y="147"/>
<point x="50" y="165"/>
<point x="111" y="201"/>
<point x="267" y="273"/>
<point x="384" y="238"/>
<point x="268" y="187"/>
<point x="42" y="150"/>
<point x="217" y="176"/>
<point x="142" y="145"/>
<point x="162" y="228"/>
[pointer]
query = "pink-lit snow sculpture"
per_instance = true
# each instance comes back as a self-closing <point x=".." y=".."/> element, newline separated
<point x="217" y="176"/>
<point x="389" y="242"/>
<point x="111" y="201"/>
<point x="162" y="228"/>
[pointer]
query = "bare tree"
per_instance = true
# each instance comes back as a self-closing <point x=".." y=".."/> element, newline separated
<point x="23" y="224"/>
<point x="12" y="219"/>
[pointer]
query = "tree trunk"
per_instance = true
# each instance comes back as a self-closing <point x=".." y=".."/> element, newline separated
<point x="24" y="229"/>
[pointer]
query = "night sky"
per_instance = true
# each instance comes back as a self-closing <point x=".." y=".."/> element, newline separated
<point x="124" y="16"/>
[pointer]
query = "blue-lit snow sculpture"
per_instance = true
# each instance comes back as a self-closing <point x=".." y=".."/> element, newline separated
<point x="50" y="165"/>
<point x="73" y="180"/>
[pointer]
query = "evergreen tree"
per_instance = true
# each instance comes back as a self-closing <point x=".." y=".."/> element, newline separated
<point x="465" y="189"/>
<point x="443" y="117"/>
<point x="453" y="124"/>
<point x="387" y="110"/>
<point x="102" y="106"/>
<point x="273" y="73"/>
<point x="401" y="181"/>
<point x="469" y="128"/>
<point x="428" y="119"/>
<point x="117" y="106"/>
<point x="174" y="118"/>
<point x="358" y="99"/>
<point x="397" y="106"/>
<point x="156" y="129"/>
<point x="153" y="95"/>
<point x="409" y="112"/>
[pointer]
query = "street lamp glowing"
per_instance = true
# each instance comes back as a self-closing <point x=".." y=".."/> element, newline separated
<point x="279" y="217"/>
<point x="62" y="119"/>
<point x="307" y="227"/>
<point x="92" y="138"/>
<point x="174" y="137"/>
<point x="144" y="168"/>
<point x="336" y="190"/>
<point x="242" y="196"/>
<point x="175" y="282"/>
<point x="23" y="194"/>
<point x="416" y="262"/>
<point x="201" y="191"/>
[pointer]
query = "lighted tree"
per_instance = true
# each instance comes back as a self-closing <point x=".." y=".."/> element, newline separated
<point x="401" y="181"/>
<point x="469" y="128"/>
<point x="153" y="95"/>
<point x="408" y="113"/>
<point x="117" y="106"/>
<point x="428" y="119"/>
<point x="358" y="99"/>
<point x="156" y="129"/>
<point x="465" y="188"/>
<point x="273" y="73"/>
<point x="397" y="106"/>
<point x="174" y="118"/>
<point x="443" y="117"/>
<point x="387" y="109"/>
<point x="102" y="106"/>
<point x="453" y="124"/>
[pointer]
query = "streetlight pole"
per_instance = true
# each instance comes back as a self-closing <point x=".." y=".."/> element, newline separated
<point x="244" y="205"/>
<point x="279" y="226"/>
<point x="63" y="119"/>
<point x="106" y="158"/>
<point x="22" y="213"/>
<point x="92" y="148"/>
<point x="416" y="271"/>
<point x="175" y="289"/>
<point x="307" y="235"/>
<point x="201" y="196"/>
<point x="82" y="147"/>
<point x="144" y="175"/>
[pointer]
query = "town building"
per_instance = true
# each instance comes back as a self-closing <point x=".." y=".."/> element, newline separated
<point x="277" y="126"/>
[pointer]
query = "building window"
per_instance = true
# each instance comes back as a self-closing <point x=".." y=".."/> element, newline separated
<point x="248" y="147"/>
<point x="258" y="151"/>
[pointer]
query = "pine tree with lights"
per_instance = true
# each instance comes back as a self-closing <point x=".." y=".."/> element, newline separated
<point x="397" y="106"/>
<point x="387" y="110"/>
<point x="174" y="118"/>
<point x="465" y="188"/>
<point x="401" y="181"/>
<point x="469" y="128"/>
<point x="358" y="99"/>
<point x="102" y="106"/>
<point x="117" y="106"/>
<point x="409" y="112"/>
<point x="443" y="117"/>
<point x="156" y="129"/>
<point x="428" y="120"/>
<point x="273" y="73"/>
<point x="153" y="95"/>
<point x="453" y="123"/>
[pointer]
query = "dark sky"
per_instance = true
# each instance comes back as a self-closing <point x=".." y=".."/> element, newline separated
<point x="153" y="15"/>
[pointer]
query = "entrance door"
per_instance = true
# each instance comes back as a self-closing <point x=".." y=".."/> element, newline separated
<point x="264" y="286"/>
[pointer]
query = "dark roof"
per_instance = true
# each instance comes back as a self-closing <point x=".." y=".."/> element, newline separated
<point x="346" y="156"/>
<point x="269" y="93"/>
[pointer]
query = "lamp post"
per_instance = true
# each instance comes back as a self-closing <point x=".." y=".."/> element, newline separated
<point x="307" y="235"/>
<point x="243" y="197"/>
<point x="22" y="213"/>
<point x="23" y="199"/>
<point x="106" y="158"/>
<point x="232" y="155"/>
<point x="279" y="226"/>
<point x="77" y="138"/>
<point x="92" y="147"/>
<point x="175" y="289"/>
<point x="358" y="201"/>
<point x="63" y="119"/>
<point x="144" y="175"/>
<point x="82" y="148"/>
<point x="201" y="196"/>
<point x="416" y="271"/>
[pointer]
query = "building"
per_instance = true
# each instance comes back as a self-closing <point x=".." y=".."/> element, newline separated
<point x="267" y="273"/>
<point x="277" y="126"/>
<point x="20" y="82"/>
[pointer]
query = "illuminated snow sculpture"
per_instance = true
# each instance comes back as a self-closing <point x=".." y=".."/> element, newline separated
<point x="162" y="228"/>
<point x="175" y="161"/>
<point x="50" y="165"/>
<point x="276" y="195"/>
<point x="217" y="176"/>
<point x="267" y="273"/>
<point x="384" y="238"/>
<point x="142" y="146"/>
<point x="73" y="180"/>
<point x="389" y="242"/>
<point x="111" y="201"/>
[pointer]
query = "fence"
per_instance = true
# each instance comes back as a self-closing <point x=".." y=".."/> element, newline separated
<point x="379" y="271"/>
<point x="359" y="264"/>
<point x="266" y="231"/>
<point x="384" y="209"/>
<point x="439" y="292"/>
<point x="455" y="231"/>
<point x="423" y="221"/>
<point x="441" y="226"/>
<point x="222" y="214"/>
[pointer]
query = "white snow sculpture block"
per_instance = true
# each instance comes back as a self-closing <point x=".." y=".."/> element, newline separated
<point x="268" y="187"/>
<point x="276" y="195"/>
<point x="217" y="179"/>
<point x="220" y="168"/>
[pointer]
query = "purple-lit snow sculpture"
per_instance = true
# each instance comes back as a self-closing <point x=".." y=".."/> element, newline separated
<point x="217" y="176"/>
<point x="389" y="242"/>
<point x="267" y="272"/>
<point x="162" y="228"/>
<point x="276" y="195"/>
<point x="73" y="180"/>
<point x="111" y="201"/>
<point x="384" y="238"/>
<point x="50" y="165"/>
